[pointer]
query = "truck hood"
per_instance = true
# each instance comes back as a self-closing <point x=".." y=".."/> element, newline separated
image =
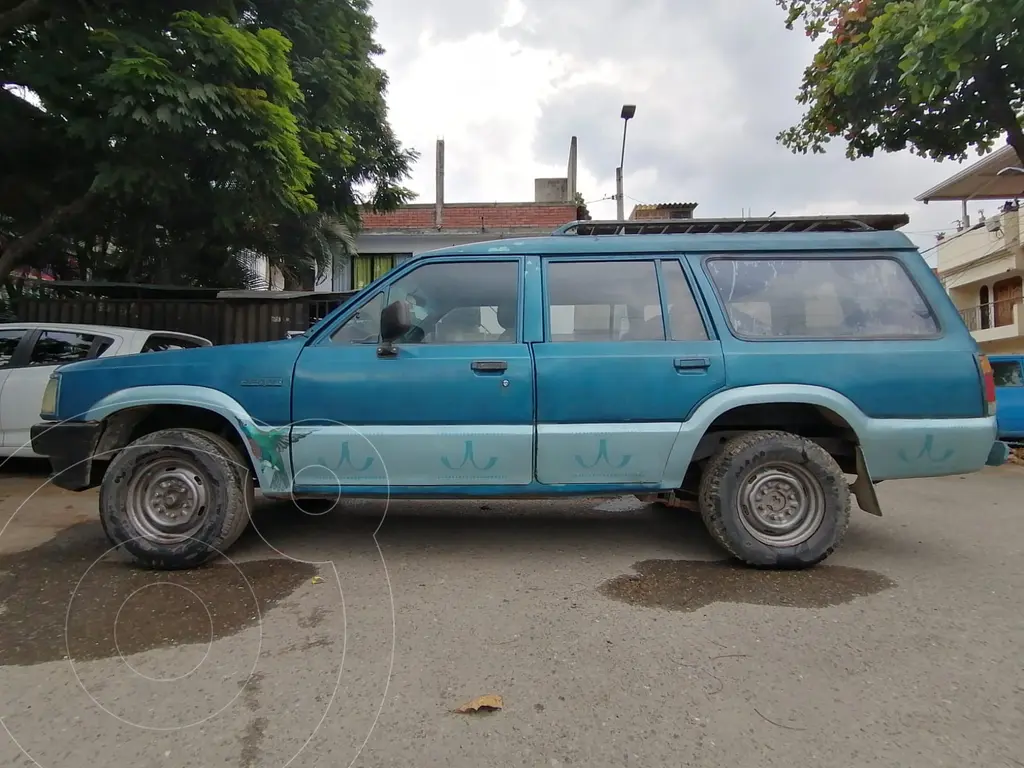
<point x="229" y="369"/>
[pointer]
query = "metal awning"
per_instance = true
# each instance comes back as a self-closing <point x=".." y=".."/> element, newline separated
<point x="979" y="180"/>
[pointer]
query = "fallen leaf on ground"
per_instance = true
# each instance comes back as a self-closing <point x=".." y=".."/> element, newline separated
<point x="486" y="703"/>
<point x="316" y="580"/>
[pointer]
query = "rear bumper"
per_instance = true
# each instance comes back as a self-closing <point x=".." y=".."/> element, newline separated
<point x="70" y="446"/>
<point x="998" y="455"/>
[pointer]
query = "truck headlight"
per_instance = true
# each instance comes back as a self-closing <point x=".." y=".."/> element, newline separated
<point x="48" y="410"/>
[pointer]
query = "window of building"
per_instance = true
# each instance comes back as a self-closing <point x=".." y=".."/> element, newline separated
<point x="604" y="301"/>
<point x="369" y="266"/>
<point x="684" y="320"/>
<point x="1007" y="373"/>
<point x="9" y="340"/>
<point x="820" y="298"/>
<point x="460" y="302"/>
<point x="60" y="347"/>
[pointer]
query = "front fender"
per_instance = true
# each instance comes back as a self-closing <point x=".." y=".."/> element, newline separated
<point x="265" y="445"/>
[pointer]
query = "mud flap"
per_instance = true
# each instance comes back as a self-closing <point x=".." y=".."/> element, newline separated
<point x="863" y="489"/>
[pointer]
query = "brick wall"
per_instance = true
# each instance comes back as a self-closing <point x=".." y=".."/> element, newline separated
<point x="475" y="216"/>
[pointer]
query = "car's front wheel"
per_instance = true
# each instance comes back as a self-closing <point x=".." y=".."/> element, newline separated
<point x="176" y="498"/>
<point x="775" y="500"/>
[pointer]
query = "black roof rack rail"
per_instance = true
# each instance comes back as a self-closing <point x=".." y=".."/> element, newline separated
<point x="771" y="224"/>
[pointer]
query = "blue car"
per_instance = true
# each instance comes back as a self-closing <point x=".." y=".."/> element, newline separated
<point x="1009" y="383"/>
<point x="747" y="368"/>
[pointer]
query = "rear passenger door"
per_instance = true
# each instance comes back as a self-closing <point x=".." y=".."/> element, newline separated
<point x="627" y="356"/>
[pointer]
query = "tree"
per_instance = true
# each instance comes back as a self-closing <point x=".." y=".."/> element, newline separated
<point x="936" y="76"/>
<point x="164" y="139"/>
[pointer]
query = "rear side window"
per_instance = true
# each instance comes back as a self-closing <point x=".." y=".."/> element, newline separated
<point x="604" y="301"/>
<point x="820" y="298"/>
<point x="1007" y="373"/>
<point x="156" y="343"/>
<point x="60" y="347"/>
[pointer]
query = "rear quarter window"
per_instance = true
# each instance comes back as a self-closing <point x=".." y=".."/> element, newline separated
<point x="157" y="343"/>
<point x="820" y="298"/>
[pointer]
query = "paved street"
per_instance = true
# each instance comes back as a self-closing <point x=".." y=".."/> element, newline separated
<point x="613" y="632"/>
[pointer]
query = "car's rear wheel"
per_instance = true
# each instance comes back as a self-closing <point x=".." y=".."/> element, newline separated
<point x="775" y="500"/>
<point x="176" y="498"/>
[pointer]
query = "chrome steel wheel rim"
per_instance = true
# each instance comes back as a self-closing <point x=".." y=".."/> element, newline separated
<point x="781" y="504"/>
<point x="167" y="500"/>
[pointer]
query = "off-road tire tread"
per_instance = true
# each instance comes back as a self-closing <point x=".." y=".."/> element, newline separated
<point x="228" y="519"/>
<point x="731" y="462"/>
<point x="241" y="467"/>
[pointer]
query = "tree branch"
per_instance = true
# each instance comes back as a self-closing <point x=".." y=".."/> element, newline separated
<point x="16" y="250"/>
<point x="993" y="85"/>
<point x="20" y="14"/>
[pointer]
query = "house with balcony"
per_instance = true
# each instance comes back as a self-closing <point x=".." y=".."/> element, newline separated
<point x="981" y="264"/>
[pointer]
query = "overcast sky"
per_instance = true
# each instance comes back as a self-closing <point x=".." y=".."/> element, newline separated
<point x="506" y="83"/>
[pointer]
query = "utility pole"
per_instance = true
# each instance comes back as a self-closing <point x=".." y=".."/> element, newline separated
<point x="627" y="114"/>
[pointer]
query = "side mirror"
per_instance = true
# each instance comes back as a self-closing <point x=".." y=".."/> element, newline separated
<point x="395" y="320"/>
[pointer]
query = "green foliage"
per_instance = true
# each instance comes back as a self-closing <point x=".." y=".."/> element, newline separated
<point x="172" y="137"/>
<point x="937" y="76"/>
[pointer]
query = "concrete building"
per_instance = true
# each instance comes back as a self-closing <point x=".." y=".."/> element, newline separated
<point x="388" y="239"/>
<point x="981" y="264"/>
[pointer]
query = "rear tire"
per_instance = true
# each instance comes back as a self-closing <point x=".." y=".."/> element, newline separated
<point x="775" y="500"/>
<point x="176" y="498"/>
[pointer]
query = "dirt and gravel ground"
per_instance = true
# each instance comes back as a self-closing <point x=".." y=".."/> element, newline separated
<point x="615" y="635"/>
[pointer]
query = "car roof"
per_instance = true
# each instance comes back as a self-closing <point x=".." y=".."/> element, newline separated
<point x="97" y="329"/>
<point x="837" y="243"/>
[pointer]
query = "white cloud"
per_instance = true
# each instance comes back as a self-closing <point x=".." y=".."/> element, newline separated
<point x="507" y="82"/>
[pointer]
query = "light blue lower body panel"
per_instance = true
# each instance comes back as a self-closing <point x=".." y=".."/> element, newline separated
<point x="604" y="453"/>
<point x="904" y="448"/>
<point x="340" y="456"/>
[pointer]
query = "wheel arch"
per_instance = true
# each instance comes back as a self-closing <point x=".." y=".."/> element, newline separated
<point x="133" y="413"/>
<point x="823" y="415"/>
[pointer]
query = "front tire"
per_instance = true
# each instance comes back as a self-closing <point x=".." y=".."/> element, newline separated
<point x="176" y="498"/>
<point x="775" y="500"/>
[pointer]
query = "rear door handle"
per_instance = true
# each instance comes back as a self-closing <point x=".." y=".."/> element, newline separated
<point x="691" y="363"/>
<point x="489" y="366"/>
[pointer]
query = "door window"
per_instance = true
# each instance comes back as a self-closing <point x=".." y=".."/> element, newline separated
<point x="460" y="302"/>
<point x="1007" y="373"/>
<point x="60" y="347"/>
<point x="684" y="320"/>
<point x="9" y="340"/>
<point x="604" y="301"/>
<point x="363" y="326"/>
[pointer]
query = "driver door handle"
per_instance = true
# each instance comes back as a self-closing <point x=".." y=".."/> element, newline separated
<point x="489" y="366"/>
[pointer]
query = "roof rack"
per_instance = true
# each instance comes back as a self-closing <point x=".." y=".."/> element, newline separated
<point x="770" y="224"/>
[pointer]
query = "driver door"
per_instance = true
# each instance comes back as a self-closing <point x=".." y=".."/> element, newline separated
<point x="452" y="408"/>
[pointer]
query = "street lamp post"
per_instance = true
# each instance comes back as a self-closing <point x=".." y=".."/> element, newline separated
<point x="628" y="111"/>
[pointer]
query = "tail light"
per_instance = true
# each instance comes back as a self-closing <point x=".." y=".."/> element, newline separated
<point x="988" y="384"/>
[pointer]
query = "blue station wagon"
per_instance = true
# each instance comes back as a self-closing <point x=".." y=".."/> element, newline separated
<point x="742" y="368"/>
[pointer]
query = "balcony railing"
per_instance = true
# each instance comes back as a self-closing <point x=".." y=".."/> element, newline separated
<point x="995" y="314"/>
